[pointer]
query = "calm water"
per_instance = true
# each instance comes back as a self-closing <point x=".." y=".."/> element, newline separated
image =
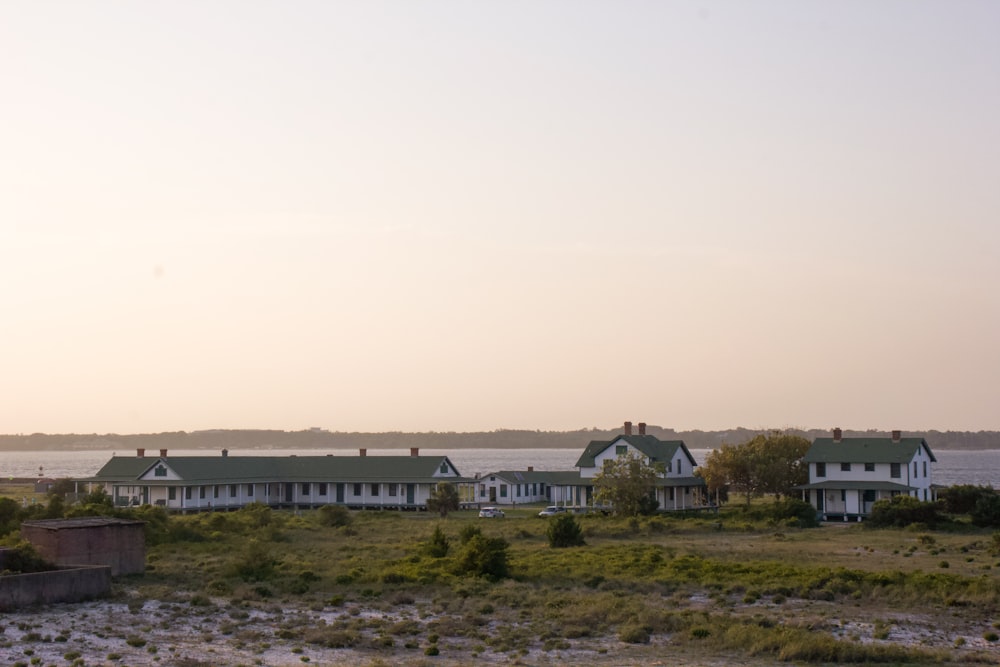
<point x="954" y="467"/>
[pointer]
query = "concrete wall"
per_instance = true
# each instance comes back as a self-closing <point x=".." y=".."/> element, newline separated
<point x="120" y="546"/>
<point x="64" y="585"/>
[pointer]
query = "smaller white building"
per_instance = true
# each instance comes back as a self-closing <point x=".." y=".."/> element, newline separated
<point x="847" y="475"/>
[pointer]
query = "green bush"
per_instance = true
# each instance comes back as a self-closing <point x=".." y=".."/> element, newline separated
<point x="962" y="498"/>
<point x="484" y="557"/>
<point x="901" y="511"/>
<point x="795" y="512"/>
<point x="334" y="516"/>
<point x="986" y="513"/>
<point x="438" y="545"/>
<point x="564" y="531"/>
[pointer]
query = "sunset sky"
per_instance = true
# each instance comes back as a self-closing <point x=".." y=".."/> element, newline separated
<point x="458" y="216"/>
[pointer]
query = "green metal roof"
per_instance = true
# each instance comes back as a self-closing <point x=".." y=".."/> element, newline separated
<point x="233" y="469"/>
<point x="866" y="450"/>
<point x="659" y="451"/>
<point x="679" y="481"/>
<point x="529" y="476"/>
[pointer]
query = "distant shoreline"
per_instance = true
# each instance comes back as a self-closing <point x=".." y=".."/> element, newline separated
<point x="251" y="439"/>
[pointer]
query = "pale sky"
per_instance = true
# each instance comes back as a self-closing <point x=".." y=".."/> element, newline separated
<point x="460" y="216"/>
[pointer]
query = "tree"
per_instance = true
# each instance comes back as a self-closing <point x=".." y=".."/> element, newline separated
<point x="769" y="463"/>
<point x="626" y="483"/>
<point x="443" y="499"/>
<point x="564" y="531"/>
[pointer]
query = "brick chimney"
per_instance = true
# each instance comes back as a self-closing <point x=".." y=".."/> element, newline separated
<point x="628" y="428"/>
<point x="362" y="452"/>
<point x="163" y="453"/>
<point x="225" y="453"/>
<point x="837" y="434"/>
<point x="414" y="451"/>
<point x="642" y="428"/>
<point x="140" y="452"/>
<point x="897" y="436"/>
<point x="531" y="468"/>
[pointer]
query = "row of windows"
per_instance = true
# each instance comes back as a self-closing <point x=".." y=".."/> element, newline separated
<point x="895" y="469"/>
<point x="322" y="489"/>
<point x="533" y="489"/>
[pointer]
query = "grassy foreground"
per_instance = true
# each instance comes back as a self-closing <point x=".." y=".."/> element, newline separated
<point x="698" y="590"/>
<point x="261" y="587"/>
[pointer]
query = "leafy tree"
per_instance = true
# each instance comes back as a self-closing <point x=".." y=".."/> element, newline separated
<point x="443" y="499"/>
<point x="626" y="483"/>
<point x="564" y="531"/>
<point x="61" y="487"/>
<point x="764" y="464"/>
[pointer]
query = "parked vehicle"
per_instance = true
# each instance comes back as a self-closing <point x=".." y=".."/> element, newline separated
<point x="552" y="510"/>
<point x="491" y="513"/>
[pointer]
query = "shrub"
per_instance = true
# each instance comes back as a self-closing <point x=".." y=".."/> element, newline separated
<point x="22" y="558"/>
<point x="634" y="634"/>
<point x="484" y="557"/>
<point x="901" y="511"/>
<point x="962" y="498"/>
<point x="438" y="545"/>
<point x="256" y="563"/>
<point x="334" y="516"/>
<point x="564" y="531"/>
<point x="795" y="512"/>
<point x="987" y="511"/>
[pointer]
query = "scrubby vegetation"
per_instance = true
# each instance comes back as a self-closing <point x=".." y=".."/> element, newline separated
<point x="755" y="585"/>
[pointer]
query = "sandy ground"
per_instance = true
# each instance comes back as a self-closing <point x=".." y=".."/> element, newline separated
<point x="116" y="632"/>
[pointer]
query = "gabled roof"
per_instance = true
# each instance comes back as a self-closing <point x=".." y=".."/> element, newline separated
<point x="526" y="476"/>
<point x="231" y="469"/>
<point x="657" y="450"/>
<point x="866" y="450"/>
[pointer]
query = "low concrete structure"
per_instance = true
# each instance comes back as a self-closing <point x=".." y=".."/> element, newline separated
<point x="69" y="584"/>
<point x="119" y="544"/>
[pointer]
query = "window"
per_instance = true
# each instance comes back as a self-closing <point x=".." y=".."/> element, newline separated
<point x="374" y="489"/>
<point x="843" y="495"/>
<point x="322" y="488"/>
<point x="518" y="490"/>
<point x="444" y="467"/>
<point x="821" y="469"/>
<point x="357" y="489"/>
<point x="670" y="466"/>
<point x="621" y="450"/>
<point x="215" y="491"/>
<point x="172" y="493"/>
<point x="914" y="468"/>
<point x="482" y="490"/>
<point x="232" y="490"/>
<point x="541" y="488"/>
<point x="503" y="490"/>
<point x="845" y="467"/>
<point x="305" y="488"/>
<point x="187" y="493"/>
<point x="894" y="471"/>
<point x="160" y="471"/>
<point x="201" y="492"/>
<point x="869" y="467"/>
<point x="679" y="469"/>
<point x="250" y="490"/>
<point x="392" y="489"/>
<point x="925" y="468"/>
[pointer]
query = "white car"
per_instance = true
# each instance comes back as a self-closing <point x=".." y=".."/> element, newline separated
<point x="552" y="510"/>
<point x="491" y="513"/>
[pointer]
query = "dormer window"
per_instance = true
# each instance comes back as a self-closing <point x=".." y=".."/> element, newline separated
<point x="160" y="471"/>
<point x="621" y="450"/>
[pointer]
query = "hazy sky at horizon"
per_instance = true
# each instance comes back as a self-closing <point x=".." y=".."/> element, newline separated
<point x="466" y="216"/>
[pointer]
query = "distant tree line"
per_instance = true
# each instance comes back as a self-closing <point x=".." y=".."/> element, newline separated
<point x="498" y="439"/>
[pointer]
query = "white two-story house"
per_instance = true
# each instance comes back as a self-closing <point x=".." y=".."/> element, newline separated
<point x="847" y="475"/>
<point x="677" y="487"/>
